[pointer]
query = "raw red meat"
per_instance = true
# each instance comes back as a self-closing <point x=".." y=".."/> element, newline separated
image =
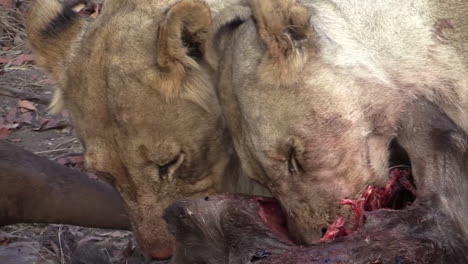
<point x="398" y="193"/>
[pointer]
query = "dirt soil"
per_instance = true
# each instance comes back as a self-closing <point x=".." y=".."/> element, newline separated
<point x="25" y="93"/>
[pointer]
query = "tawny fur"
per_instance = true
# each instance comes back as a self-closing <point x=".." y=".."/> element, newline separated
<point x="195" y="18"/>
<point x="53" y="52"/>
<point x="145" y="110"/>
<point x="361" y="64"/>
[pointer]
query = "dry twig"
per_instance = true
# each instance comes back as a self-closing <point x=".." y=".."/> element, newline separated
<point x="11" y="25"/>
<point x="17" y="93"/>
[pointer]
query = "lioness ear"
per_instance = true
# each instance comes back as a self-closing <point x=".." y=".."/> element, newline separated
<point x="52" y="29"/>
<point x="182" y="34"/>
<point x="281" y="24"/>
<point x="284" y="27"/>
<point x="180" y="46"/>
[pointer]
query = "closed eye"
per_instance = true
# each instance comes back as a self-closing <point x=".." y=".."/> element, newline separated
<point x="293" y="164"/>
<point x="170" y="167"/>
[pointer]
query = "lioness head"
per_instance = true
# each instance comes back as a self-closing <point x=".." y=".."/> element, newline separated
<point x="312" y="119"/>
<point x="141" y="99"/>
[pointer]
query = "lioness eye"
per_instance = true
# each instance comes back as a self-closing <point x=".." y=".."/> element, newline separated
<point x="170" y="167"/>
<point x="293" y="164"/>
<point x="324" y="230"/>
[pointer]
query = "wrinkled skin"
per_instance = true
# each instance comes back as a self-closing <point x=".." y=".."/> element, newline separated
<point x="142" y="100"/>
<point x="313" y="93"/>
<point x="230" y="228"/>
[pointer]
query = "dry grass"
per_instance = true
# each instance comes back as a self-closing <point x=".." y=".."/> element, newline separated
<point x="12" y="28"/>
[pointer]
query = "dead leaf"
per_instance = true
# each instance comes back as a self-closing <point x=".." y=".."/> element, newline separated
<point x="18" y="61"/>
<point x="4" y="132"/>
<point x="7" y="3"/>
<point x="6" y="125"/>
<point x="23" y="59"/>
<point x="4" y="60"/>
<point x="27" y="105"/>
<point x="11" y="116"/>
<point x="26" y="118"/>
<point x="47" y="124"/>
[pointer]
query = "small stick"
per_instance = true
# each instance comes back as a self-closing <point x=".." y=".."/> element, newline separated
<point x="51" y="151"/>
<point x="62" y="258"/>
<point x="16" y="93"/>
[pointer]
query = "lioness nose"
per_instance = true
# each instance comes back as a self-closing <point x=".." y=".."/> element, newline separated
<point x="161" y="254"/>
<point x="155" y="245"/>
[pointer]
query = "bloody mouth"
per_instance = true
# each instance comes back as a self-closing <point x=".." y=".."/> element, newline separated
<point x="397" y="194"/>
<point x="272" y="215"/>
